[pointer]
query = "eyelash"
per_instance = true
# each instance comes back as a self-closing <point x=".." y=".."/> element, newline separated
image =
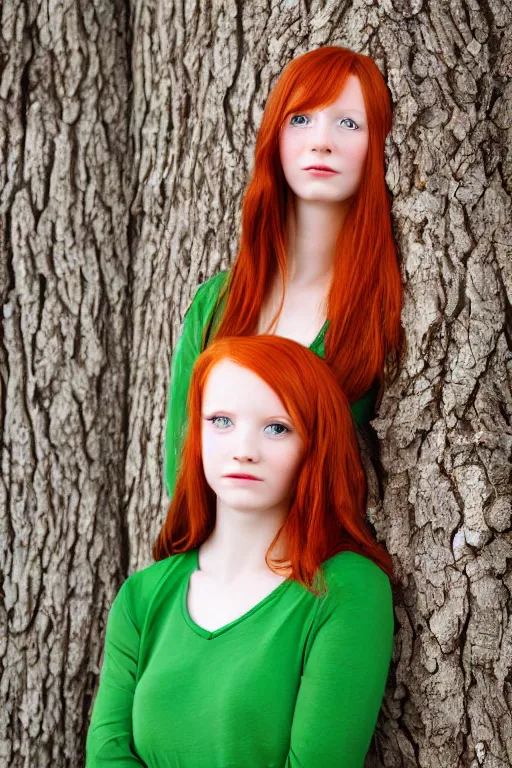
<point x="213" y="419"/>
<point x="342" y="119"/>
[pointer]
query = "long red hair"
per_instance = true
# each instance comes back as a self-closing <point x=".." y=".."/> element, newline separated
<point x="326" y="513"/>
<point x="364" y="302"/>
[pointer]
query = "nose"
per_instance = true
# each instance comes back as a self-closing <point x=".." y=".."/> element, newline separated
<point x="244" y="459"/>
<point x="320" y="137"/>
<point x="246" y="448"/>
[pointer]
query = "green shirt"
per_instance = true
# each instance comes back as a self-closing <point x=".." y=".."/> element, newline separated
<point x="189" y="346"/>
<point x="296" y="682"/>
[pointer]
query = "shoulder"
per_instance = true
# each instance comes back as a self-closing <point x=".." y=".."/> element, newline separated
<point x="354" y="614"/>
<point x="140" y="588"/>
<point x="211" y="288"/>
<point x="205" y="299"/>
<point x="354" y="578"/>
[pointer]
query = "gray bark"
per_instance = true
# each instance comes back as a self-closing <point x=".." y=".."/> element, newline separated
<point x="64" y="357"/>
<point x="444" y="423"/>
<point x="126" y="143"/>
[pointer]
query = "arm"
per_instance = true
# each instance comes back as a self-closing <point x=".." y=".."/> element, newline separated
<point x="345" y="670"/>
<point x="110" y="740"/>
<point x="185" y="354"/>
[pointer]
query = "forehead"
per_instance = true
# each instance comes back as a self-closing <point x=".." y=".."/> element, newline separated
<point x="350" y="98"/>
<point x="231" y="387"/>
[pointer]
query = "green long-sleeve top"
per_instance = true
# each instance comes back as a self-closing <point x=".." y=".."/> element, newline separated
<point x="296" y="682"/>
<point x="208" y="301"/>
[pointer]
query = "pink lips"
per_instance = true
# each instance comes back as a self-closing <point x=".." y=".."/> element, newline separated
<point x="320" y="170"/>
<point x="243" y="477"/>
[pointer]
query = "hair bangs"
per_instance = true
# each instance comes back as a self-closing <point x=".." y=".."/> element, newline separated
<point x="318" y="85"/>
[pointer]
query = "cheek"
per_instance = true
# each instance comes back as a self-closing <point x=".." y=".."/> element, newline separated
<point x="355" y="152"/>
<point x="210" y="448"/>
<point x="289" y="148"/>
<point x="213" y="458"/>
<point x="285" y="465"/>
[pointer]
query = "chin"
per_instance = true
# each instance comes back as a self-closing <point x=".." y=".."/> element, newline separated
<point x="314" y="196"/>
<point x="244" y="506"/>
<point x="244" y="501"/>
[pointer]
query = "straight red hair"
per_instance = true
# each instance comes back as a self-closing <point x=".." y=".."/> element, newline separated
<point x="365" y="298"/>
<point x="327" y="508"/>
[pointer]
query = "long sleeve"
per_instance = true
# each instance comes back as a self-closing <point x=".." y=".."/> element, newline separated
<point x="184" y="356"/>
<point x="186" y="352"/>
<point x="345" y="671"/>
<point x="109" y="739"/>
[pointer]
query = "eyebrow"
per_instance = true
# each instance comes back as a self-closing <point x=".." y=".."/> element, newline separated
<point x="222" y="412"/>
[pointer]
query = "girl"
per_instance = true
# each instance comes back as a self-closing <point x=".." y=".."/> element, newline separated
<point x="317" y="262"/>
<point x="262" y="636"/>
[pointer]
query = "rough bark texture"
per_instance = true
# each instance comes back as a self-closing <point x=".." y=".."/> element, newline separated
<point x="444" y="423"/>
<point x="126" y="141"/>
<point x="63" y="361"/>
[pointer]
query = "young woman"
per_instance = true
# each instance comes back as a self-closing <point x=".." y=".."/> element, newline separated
<point x="317" y="261"/>
<point x="263" y="635"/>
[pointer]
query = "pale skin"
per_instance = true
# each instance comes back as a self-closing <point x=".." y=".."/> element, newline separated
<point x="336" y="136"/>
<point x="245" y="430"/>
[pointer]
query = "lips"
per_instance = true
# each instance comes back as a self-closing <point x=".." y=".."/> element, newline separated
<point x="320" y="168"/>
<point x="239" y="476"/>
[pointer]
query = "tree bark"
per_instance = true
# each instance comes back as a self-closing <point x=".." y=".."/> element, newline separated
<point x="128" y="142"/>
<point x="444" y="424"/>
<point x="64" y="358"/>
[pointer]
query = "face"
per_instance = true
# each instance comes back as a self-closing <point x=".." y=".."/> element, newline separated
<point x="246" y="431"/>
<point x="336" y="137"/>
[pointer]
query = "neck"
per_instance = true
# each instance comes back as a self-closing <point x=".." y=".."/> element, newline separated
<point x="237" y="546"/>
<point x="313" y="230"/>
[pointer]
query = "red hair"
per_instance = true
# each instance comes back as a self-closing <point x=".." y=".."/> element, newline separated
<point x="328" y="499"/>
<point x="364" y="302"/>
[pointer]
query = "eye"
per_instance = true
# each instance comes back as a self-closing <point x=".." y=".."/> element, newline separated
<point x="349" y="120"/>
<point x="298" y="120"/>
<point x="276" y="429"/>
<point x="221" y="422"/>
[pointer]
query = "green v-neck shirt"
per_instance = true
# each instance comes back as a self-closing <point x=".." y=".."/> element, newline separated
<point x="207" y="303"/>
<point x="295" y="682"/>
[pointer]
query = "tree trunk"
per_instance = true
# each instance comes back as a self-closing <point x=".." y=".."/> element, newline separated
<point x="64" y="354"/>
<point x="122" y="181"/>
<point x="444" y="424"/>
